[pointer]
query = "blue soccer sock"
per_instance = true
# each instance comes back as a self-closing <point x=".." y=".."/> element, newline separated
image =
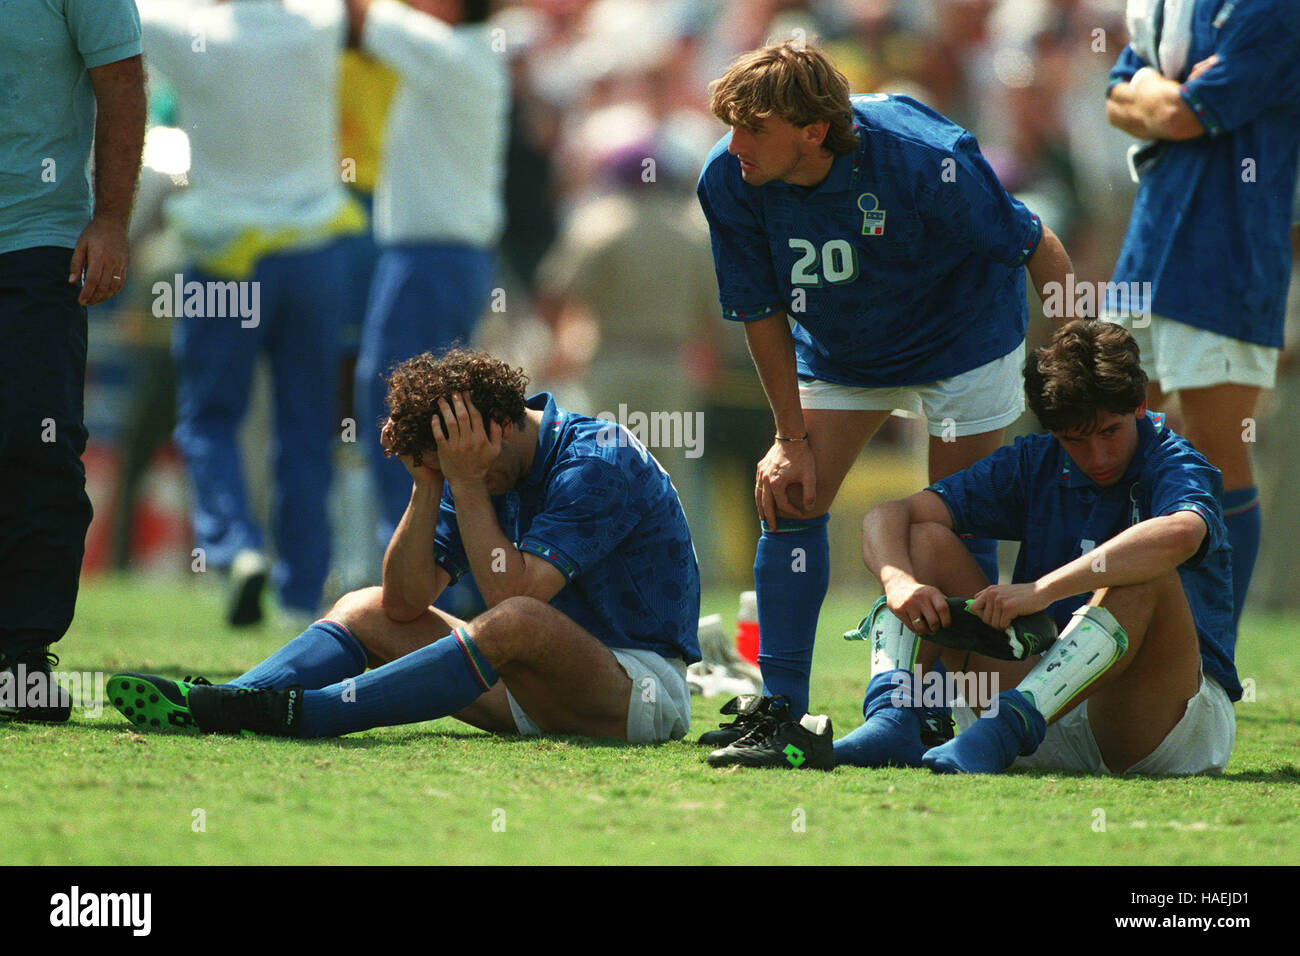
<point x="985" y="553"/>
<point x="435" y="681"/>
<point x="325" y="653"/>
<point x="791" y="575"/>
<point x="993" y="742"/>
<point x="1241" y="516"/>
<point x="890" y="735"/>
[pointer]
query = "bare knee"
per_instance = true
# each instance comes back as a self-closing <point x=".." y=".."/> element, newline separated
<point x="361" y="612"/>
<point x="508" y="632"/>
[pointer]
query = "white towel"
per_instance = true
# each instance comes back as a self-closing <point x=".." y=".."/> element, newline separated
<point x="1160" y="32"/>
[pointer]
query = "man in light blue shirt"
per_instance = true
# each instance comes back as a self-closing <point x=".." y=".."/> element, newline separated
<point x="72" y="75"/>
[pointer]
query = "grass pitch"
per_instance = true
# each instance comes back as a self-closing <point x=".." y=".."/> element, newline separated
<point x="97" y="792"/>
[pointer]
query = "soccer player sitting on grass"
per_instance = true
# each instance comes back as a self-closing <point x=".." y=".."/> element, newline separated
<point x="1141" y="678"/>
<point x="575" y="538"/>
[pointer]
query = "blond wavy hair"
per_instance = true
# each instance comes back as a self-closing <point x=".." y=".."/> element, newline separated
<point x="791" y="81"/>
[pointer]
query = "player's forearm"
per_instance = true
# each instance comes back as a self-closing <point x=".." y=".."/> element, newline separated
<point x="1152" y="107"/>
<point x="499" y="569"/>
<point x="1136" y="555"/>
<point x="886" y="532"/>
<point x="1050" y="264"/>
<point x="121" y="111"/>
<point x="410" y="573"/>
<point x="772" y="348"/>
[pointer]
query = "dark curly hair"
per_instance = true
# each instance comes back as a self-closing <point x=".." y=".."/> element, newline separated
<point x="415" y="386"/>
<point x="1089" y="368"/>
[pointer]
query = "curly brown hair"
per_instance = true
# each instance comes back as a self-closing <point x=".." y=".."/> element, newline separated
<point x="792" y="82"/>
<point x="1089" y="368"/>
<point x="414" y="387"/>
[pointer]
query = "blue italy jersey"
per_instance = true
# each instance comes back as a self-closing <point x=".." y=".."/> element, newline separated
<point x="1032" y="492"/>
<point x="1210" y="223"/>
<point x="904" y="266"/>
<point x="597" y="505"/>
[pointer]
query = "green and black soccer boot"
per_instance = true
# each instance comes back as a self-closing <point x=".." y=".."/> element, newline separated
<point x="153" y="702"/>
<point x="750" y="711"/>
<point x="781" y="741"/>
<point x="1028" y="635"/>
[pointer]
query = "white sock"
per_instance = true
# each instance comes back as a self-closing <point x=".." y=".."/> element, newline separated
<point x="1090" y="643"/>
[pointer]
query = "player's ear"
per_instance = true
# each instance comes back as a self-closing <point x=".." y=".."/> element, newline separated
<point x="1141" y="410"/>
<point x="816" y="132"/>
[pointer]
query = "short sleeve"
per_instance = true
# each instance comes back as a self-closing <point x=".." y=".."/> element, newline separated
<point x="987" y="499"/>
<point x="747" y="287"/>
<point x="963" y="202"/>
<point x="104" y="31"/>
<point x="448" y="549"/>
<point x="1258" y="68"/>
<point x="1187" y="482"/>
<point x="587" y="511"/>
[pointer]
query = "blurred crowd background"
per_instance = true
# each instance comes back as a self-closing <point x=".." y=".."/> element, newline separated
<point x="605" y="292"/>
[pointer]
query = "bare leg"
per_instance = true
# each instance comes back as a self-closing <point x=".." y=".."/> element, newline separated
<point x="951" y="456"/>
<point x="562" y="676"/>
<point x="1143" y="695"/>
<point x="836" y="438"/>
<point x="1213" y="419"/>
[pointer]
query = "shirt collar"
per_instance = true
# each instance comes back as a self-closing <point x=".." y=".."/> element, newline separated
<point x="547" y="435"/>
<point x="1149" y="428"/>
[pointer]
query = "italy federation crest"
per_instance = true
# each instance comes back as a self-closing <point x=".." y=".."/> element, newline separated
<point x="873" y="217"/>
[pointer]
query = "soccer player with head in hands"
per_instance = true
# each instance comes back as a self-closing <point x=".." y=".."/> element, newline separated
<point x="574" y="536"/>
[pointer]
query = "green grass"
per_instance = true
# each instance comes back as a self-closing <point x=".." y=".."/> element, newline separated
<point x="96" y="792"/>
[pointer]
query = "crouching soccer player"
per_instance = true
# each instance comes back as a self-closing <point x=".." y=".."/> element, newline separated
<point x="575" y="538"/>
<point x="1141" y="678"/>
<point x="877" y="225"/>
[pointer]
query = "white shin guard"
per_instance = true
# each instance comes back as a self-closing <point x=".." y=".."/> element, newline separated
<point x="1089" y="645"/>
<point x="893" y="646"/>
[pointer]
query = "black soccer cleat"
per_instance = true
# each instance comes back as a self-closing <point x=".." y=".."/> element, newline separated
<point x="751" y="711"/>
<point x="152" y="702"/>
<point x="780" y="741"/>
<point x="223" y="709"/>
<point x="28" y="690"/>
<point x="247" y="577"/>
<point x="1028" y="635"/>
<point x="937" y="726"/>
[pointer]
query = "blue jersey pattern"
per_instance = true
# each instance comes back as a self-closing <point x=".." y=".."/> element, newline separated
<point x="904" y="266"/>
<point x="599" y="507"/>
<point x="1033" y="493"/>
<point x="1210" y="223"/>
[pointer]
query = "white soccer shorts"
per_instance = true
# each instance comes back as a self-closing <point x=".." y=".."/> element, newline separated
<point x="981" y="400"/>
